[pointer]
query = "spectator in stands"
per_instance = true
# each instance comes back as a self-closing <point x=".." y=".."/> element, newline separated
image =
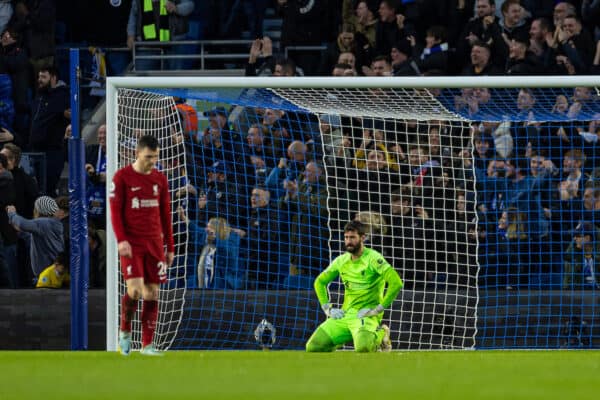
<point x="306" y="201"/>
<point x="477" y="29"/>
<point x="219" y="142"/>
<point x="95" y="166"/>
<point x="270" y="66"/>
<point x="35" y="20"/>
<point x="572" y="186"/>
<point x="520" y="60"/>
<point x="26" y="186"/>
<point x="163" y="24"/>
<point x="288" y="169"/>
<point x="6" y="11"/>
<point x="480" y="61"/>
<point x="261" y="152"/>
<point x="14" y="62"/>
<point x="482" y="155"/>
<point x="9" y="273"/>
<point x="373" y="139"/>
<point x="348" y="58"/>
<point x="51" y="114"/>
<point x="188" y="117"/>
<point x="343" y="70"/>
<point x="402" y="62"/>
<point x="390" y="28"/>
<point x="379" y="67"/>
<point x="213" y="247"/>
<point x="266" y="242"/>
<point x="218" y="260"/>
<point x="434" y="58"/>
<point x="97" y="255"/>
<point x="362" y="18"/>
<point x="575" y="44"/>
<point x="63" y="216"/>
<point x="561" y="10"/>
<point x="375" y="182"/>
<point x="56" y="276"/>
<point x="513" y="25"/>
<point x="377" y="233"/>
<point x="332" y="136"/>
<point x="581" y="259"/>
<point x="348" y="41"/>
<point x="412" y="230"/>
<point x="591" y="201"/>
<point x="307" y="24"/>
<point x="590" y="14"/>
<point x="221" y="198"/>
<point x="595" y="69"/>
<point x="539" y="33"/>
<point x="45" y="231"/>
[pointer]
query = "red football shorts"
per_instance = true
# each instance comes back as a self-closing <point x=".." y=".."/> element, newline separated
<point x="148" y="261"/>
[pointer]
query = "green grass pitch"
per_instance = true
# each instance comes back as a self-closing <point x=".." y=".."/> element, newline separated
<point x="245" y="375"/>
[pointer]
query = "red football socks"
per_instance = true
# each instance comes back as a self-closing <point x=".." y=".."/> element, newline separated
<point x="128" y="309"/>
<point x="149" y="316"/>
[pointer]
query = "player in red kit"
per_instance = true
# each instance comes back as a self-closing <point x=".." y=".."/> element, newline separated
<point x="141" y="219"/>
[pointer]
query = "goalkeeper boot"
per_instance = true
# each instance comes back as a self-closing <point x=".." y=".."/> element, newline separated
<point x="150" y="350"/>
<point x="386" y="342"/>
<point x="124" y="343"/>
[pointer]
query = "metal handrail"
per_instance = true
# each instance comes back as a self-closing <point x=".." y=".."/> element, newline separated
<point x="202" y="54"/>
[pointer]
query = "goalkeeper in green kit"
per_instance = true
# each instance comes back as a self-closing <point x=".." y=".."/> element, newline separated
<point x="364" y="273"/>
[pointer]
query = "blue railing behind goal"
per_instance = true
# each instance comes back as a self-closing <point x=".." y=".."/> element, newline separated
<point x="491" y="218"/>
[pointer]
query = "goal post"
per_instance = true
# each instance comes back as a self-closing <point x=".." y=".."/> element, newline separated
<point x="438" y="247"/>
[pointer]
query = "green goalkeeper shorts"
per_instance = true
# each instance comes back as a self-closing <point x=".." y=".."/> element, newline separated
<point x="345" y="329"/>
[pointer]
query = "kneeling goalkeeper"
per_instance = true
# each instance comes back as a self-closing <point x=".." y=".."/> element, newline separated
<point x="364" y="273"/>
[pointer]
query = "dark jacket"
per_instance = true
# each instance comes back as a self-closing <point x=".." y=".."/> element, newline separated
<point x="37" y="28"/>
<point x="14" y="62"/>
<point x="7" y="196"/>
<point x="530" y="65"/>
<point x="26" y="192"/>
<point x="48" y="122"/>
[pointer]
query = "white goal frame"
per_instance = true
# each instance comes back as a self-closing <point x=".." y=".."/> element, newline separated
<point x="133" y="82"/>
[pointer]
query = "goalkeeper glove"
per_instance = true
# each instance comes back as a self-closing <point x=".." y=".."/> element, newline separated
<point x="369" y="312"/>
<point x="331" y="312"/>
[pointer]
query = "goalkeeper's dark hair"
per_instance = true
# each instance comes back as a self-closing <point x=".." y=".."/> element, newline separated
<point x="148" y="142"/>
<point x="356" y="226"/>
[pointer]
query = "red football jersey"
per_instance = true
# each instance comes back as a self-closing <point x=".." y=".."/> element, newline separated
<point x="140" y="207"/>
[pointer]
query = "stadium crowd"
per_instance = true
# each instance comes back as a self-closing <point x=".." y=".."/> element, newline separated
<point x="264" y="204"/>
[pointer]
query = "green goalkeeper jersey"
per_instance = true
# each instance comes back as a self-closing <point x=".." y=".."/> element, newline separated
<point x="364" y="280"/>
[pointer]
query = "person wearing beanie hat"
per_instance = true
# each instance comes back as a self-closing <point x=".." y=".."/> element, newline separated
<point x="45" y="230"/>
<point x="45" y="206"/>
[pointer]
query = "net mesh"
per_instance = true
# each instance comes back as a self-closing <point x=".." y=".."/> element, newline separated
<point x="469" y="194"/>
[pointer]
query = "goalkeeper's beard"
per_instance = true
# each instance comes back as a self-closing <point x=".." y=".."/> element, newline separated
<point x="354" y="250"/>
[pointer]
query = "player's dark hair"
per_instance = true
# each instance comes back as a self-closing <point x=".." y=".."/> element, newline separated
<point x="148" y="142"/>
<point x="356" y="226"/>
